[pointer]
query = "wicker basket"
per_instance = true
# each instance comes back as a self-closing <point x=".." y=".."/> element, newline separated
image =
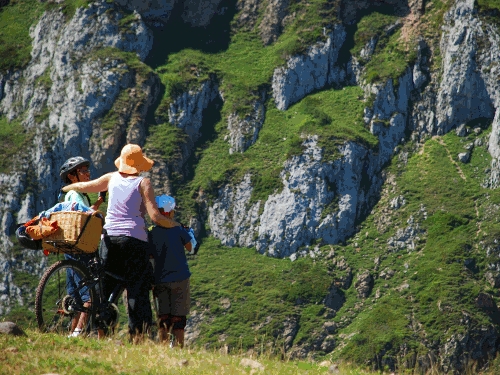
<point x="69" y="237"/>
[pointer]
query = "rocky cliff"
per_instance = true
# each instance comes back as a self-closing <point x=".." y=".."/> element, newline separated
<point x="91" y="86"/>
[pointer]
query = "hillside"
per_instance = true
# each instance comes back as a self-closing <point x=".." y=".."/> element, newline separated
<point x="338" y="159"/>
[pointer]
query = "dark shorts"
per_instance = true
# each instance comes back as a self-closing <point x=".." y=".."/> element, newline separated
<point x="173" y="298"/>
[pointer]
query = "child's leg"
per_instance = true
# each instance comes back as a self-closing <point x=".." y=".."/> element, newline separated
<point x="180" y="303"/>
<point x="165" y="325"/>
<point x="178" y="325"/>
<point x="161" y="294"/>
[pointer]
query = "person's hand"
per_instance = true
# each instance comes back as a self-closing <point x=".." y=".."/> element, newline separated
<point x="97" y="203"/>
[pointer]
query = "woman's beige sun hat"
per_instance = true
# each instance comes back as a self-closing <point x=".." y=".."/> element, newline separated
<point x="132" y="160"/>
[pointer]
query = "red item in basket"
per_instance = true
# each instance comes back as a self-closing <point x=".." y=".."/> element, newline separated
<point x="44" y="228"/>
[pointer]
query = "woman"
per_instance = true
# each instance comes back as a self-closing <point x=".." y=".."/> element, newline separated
<point x="124" y="247"/>
<point x="76" y="169"/>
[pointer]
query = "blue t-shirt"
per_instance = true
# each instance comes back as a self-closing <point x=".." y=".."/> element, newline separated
<point x="167" y="248"/>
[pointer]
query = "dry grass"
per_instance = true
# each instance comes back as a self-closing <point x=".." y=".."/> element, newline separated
<point x="48" y="353"/>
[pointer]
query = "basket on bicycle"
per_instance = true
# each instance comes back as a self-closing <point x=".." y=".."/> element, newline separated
<point x="78" y="232"/>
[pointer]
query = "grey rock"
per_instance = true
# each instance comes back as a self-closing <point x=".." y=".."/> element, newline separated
<point x="367" y="51"/>
<point x="386" y="274"/>
<point x="290" y="329"/>
<point x="334" y="299"/>
<point x="243" y="132"/>
<point x="10" y="328"/>
<point x="364" y="284"/>
<point x="330" y="327"/>
<point x="462" y="130"/>
<point x="406" y="238"/>
<point x="493" y="278"/>
<point x="464" y="157"/>
<point x="272" y="25"/>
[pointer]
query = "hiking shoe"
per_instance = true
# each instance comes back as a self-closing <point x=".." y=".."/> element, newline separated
<point x="75" y="333"/>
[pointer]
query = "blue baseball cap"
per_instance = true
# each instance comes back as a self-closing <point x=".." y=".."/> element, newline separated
<point x="166" y="202"/>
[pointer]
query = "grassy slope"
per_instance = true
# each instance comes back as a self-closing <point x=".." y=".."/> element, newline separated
<point x="440" y="288"/>
<point x="50" y="353"/>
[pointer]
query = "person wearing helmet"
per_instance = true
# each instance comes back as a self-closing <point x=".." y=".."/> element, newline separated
<point x="171" y="273"/>
<point x="76" y="169"/>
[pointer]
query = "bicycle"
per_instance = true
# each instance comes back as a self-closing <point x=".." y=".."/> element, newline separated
<point x="55" y="308"/>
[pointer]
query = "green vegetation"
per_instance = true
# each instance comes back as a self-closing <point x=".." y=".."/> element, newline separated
<point x="490" y="11"/>
<point x="168" y="139"/>
<point x="245" y="297"/>
<point x="489" y="4"/>
<point x="431" y="28"/>
<point x="392" y="56"/>
<point x="130" y="59"/>
<point x="390" y="60"/>
<point x="13" y="138"/>
<point x="260" y="298"/>
<point x="16" y="19"/>
<point x="432" y="288"/>
<point x="244" y="70"/>
<point x="371" y="26"/>
<point x="15" y="42"/>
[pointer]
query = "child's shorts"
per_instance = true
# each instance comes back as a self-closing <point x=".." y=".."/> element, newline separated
<point x="173" y="298"/>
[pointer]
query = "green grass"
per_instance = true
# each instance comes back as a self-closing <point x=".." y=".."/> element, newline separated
<point x="50" y="353"/>
<point x="15" y="42"/>
<point x="267" y="288"/>
<point x="489" y="4"/>
<point x="13" y="139"/>
<point x="16" y="19"/>
<point x="246" y="66"/>
<point x="370" y="26"/>
<point x="390" y="60"/>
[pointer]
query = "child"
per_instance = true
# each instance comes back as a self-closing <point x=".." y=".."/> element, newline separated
<point x="76" y="169"/>
<point x="171" y="274"/>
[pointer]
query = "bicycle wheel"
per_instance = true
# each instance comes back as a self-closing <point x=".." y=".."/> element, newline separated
<point x="59" y="299"/>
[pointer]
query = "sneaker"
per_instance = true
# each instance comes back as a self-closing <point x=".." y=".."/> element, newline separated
<point x="75" y="333"/>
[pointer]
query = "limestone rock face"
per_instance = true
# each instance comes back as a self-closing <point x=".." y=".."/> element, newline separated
<point x="248" y="13"/>
<point x="271" y="25"/>
<point x="186" y="113"/>
<point x="470" y="88"/>
<point x="312" y="71"/>
<point x="244" y="132"/>
<point x="463" y="93"/>
<point x="293" y="217"/>
<point x="199" y="13"/>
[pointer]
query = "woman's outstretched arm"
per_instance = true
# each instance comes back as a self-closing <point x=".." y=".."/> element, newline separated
<point x="92" y="186"/>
